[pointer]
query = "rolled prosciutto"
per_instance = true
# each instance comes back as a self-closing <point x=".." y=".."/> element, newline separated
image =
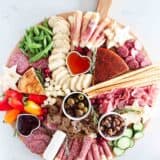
<point x="90" y="22"/>
<point x="67" y="150"/>
<point x="75" y="28"/>
<point x="75" y="149"/>
<point x="86" y="144"/>
<point x="90" y="155"/>
<point x="107" y="150"/>
<point x="61" y="152"/>
<point x="95" y="151"/>
<point x="99" y="30"/>
<point x="102" y="154"/>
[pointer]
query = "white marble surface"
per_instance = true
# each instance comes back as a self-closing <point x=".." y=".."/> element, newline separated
<point x="142" y="15"/>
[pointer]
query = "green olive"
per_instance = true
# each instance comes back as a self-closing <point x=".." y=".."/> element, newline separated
<point x="85" y="109"/>
<point x="81" y="105"/>
<point x="70" y="101"/>
<point x="81" y="97"/>
<point x="79" y="113"/>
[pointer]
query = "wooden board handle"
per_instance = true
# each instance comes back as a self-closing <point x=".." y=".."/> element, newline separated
<point x="103" y="7"/>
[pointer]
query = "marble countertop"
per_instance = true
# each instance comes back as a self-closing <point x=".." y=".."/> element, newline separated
<point x="141" y="15"/>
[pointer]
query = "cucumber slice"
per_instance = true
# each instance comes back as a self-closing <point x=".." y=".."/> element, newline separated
<point x="118" y="152"/>
<point x="115" y="143"/>
<point x="124" y="143"/>
<point x="128" y="133"/>
<point x="132" y="143"/>
<point x="138" y="135"/>
<point x="138" y="127"/>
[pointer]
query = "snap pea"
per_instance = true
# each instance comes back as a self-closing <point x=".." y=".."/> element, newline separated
<point x="36" y="30"/>
<point x="41" y="54"/>
<point x="37" y="41"/>
<point x="44" y="42"/>
<point x="45" y="29"/>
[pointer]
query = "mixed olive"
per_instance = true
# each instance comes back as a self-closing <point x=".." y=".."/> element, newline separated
<point x="76" y="105"/>
<point x="112" y="125"/>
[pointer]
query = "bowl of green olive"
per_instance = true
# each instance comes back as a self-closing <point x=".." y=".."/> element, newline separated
<point x="76" y="106"/>
<point x="111" y="126"/>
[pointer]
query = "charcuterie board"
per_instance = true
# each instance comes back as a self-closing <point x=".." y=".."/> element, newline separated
<point x="79" y="86"/>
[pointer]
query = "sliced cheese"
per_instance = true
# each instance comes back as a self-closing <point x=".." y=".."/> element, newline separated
<point x="54" y="146"/>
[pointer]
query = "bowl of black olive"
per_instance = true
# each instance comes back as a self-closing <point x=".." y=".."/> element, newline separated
<point x="111" y="126"/>
<point x="76" y="106"/>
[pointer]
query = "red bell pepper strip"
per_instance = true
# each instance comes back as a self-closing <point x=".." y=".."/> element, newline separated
<point x="4" y="106"/>
<point x="10" y="93"/>
<point x="16" y="104"/>
<point x="38" y="99"/>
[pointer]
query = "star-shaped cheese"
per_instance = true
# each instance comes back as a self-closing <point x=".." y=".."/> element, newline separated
<point x="9" y="78"/>
<point x="117" y="35"/>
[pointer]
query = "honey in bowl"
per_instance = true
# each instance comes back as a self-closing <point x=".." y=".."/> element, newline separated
<point x="78" y="64"/>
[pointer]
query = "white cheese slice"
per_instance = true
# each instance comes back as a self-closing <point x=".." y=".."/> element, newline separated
<point x="54" y="146"/>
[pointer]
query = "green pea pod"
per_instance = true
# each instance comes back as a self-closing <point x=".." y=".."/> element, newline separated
<point x="49" y="38"/>
<point x="45" y="29"/>
<point x="44" y="42"/>
<point x="36" y="30"/>
<point x="34" y="45"/>
<point x="42" y="53"/>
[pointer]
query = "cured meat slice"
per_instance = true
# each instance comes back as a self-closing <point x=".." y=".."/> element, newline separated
<point x="75" y="149"/>
<point x="95" y="151"/>
<point x="92" y="20"/>
<point x="102" y="154"/>
<point x="60" y="153"/>
<point x="75" y="28"/>
<point x="19" y="59"/>
<point x="22" y="62"/>
<point x="67" y="150"/>
<point x="29" y="83"/>
<point x="108" y="65"/>
<point x="90" y="155"/>
<point x="107" y="150"/>
<point x="37" y="141"/>
<point x="87" y="142"/>
<point x="99" y="30"/>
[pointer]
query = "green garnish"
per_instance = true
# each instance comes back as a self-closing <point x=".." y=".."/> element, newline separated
<point x="37" y="42"/>
<point x="39" y="75"/>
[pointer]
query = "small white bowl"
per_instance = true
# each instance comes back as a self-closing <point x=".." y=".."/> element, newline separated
<point x="76" y="118"/>
<point x="99" y="125"/>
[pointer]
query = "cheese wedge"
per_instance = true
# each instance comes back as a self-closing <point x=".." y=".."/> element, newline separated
<point x="29" y="83"/>
<point x="54" y="146"/>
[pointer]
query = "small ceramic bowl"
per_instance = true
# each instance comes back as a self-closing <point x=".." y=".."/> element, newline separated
<point x="110" y="138"/>
<point x="76" y="118"/>
<point x="25" y="124"/>
<point x="80" y="57"/>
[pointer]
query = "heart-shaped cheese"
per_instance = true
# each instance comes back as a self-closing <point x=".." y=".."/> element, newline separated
<point x="77" y="64"/>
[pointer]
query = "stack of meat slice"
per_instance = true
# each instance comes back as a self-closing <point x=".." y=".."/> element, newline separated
<point x="87" y="30"/>
<point x="85" y="149"/>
